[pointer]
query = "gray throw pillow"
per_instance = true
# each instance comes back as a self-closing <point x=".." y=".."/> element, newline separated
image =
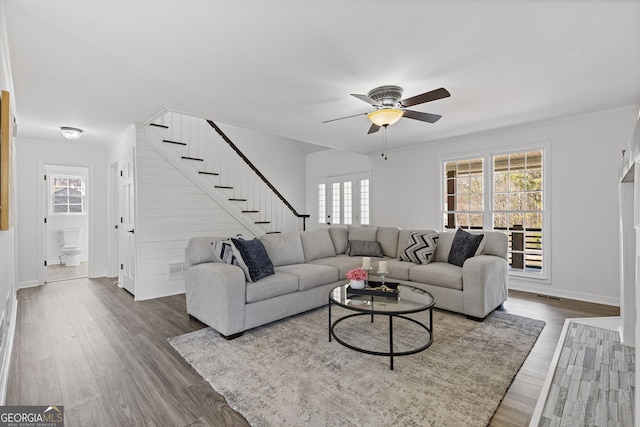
<point x="464" y="246"/>
<point x="252" y="258"/>
<point x="364" y="248"/>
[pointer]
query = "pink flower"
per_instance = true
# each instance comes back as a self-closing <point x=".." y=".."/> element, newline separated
<point x="356" y="274"/>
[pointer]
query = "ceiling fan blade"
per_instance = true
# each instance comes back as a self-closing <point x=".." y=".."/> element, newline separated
<point x="373" y="129"/>
<point x="347" y="117"/>
<point x="426" y="97"/>
<point x="366" y="99"/>
<point x="424" y="117"/>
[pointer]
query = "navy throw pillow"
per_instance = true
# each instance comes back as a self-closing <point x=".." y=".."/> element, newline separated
<point x="253" y="259"/>
<point x="464" y="246"/>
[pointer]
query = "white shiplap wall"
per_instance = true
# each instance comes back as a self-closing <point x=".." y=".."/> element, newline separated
<point x="170" y="211"/>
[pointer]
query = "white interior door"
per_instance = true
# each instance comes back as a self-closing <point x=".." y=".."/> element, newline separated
<point x="127" y="240"/>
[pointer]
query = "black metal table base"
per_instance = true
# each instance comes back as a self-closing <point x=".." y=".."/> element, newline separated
<point x="391" y="353"/>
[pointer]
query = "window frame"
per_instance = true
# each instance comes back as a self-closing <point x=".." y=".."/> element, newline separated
<point x="544" y="276"/>
<point x="52" y="195"/>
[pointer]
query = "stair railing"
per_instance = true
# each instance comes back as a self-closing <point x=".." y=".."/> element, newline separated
<point x="260" y="175"/>
<point x="229" y="170"/>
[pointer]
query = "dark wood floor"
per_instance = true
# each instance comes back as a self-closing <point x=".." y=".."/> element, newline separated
<point x="87" y="345"/>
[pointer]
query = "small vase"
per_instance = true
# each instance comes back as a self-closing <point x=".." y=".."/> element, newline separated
<point x="357" y="284"/>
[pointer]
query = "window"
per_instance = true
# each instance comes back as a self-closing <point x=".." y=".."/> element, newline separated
<point x="344" y="200"/>
<point x="463" y="204"/>
<point x="347" y="202"/>
<point x="67" y="195"/>
<point x="518" y="208"/>
<point x="508" y="197"/>
<point x="364" y="201"/>
<point x="322" y="202"/>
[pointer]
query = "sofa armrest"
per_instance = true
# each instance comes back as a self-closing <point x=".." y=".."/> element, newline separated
<point x="484" y="281"/>
<point x="216" y="296"/>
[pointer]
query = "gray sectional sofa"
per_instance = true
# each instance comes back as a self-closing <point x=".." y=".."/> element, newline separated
<point x="308" y="264"/>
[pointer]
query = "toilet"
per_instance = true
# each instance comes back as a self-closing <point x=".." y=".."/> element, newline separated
<point x="69" y="241"/>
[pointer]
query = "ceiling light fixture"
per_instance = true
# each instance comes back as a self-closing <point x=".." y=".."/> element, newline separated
<point x="385" y="116"/>
<point x="71" y="133"/>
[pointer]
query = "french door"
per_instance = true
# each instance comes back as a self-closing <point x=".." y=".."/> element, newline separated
<point x="344" y="200"/>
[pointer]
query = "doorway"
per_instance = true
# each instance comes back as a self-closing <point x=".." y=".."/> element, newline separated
<point x="66" y="225"/>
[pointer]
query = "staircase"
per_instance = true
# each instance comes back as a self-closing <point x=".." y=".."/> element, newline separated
<point x="201" y="151"/>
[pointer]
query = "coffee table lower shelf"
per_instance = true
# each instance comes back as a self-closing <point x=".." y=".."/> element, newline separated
<point x="392" y="308"/>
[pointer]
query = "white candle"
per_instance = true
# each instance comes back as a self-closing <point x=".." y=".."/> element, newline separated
<point x="366" y="263"/>
<point x="382" y="267"/>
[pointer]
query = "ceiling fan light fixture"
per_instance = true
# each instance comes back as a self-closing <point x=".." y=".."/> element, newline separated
<point x="385" y="116"/>
<point x="70" y="132"/>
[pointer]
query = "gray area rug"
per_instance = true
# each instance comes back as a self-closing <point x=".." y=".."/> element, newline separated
<point x="288" y="374"/>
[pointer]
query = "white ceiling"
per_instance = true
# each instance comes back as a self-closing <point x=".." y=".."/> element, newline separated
<point x="286" y="66"/>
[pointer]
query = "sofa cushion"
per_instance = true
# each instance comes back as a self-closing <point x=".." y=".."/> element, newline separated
<point x="343" y="263"/>
<point x="464" y="246"/>
<point x="317" y="244"/>
<point x="310" y="275"/>
<point x="223" y="252"/>
<point x="437" y="273"/>
<point x="420" y="248"/>
<point x="252" y="258"/>
<point x="403" y="238"/>
<point x="284" y="248"/>
<point x="363" y="232"/>
<point x="340" y="238"/>
<point x="388" y="238"/>
<point x="398" y="270"/>
<point x="199" y="250"/>
<point x="271" y="286"/>
<point x="364" y="248"/>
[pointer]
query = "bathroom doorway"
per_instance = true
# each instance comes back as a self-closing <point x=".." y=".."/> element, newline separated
<point x="66" y="223"/>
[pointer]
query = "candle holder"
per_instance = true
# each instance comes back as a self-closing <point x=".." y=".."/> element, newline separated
<point x="366" y="281"/>
<point x="381" y="274"/>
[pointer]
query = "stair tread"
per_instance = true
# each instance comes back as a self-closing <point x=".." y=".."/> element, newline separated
<point x="238" y="200"/>
<point x="262" y="222"/>
<point x="250" y="211"/>
<point x="174" y="142"/>
<point x="223" y="186"/>
<point x="158" y="126"/>
<point x="208" y="173"/>
<point x="193" y="158"/>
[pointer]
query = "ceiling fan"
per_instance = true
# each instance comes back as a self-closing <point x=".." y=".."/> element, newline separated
<point x="390" y="108"/>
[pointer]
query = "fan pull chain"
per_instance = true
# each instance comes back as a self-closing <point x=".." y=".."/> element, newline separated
<point x="384" y="141"/>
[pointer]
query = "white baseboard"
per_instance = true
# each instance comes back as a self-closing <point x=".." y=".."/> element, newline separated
<point x="560" y="293"/>
<point x="6" y="362"/>
<point x="27" y="284"/>
<point x="160" y="290"/>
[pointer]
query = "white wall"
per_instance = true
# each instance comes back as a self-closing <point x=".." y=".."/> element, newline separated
<point x="8" y="304"/>
<point x="57" y="223"/>
<point x="32" y="156"/>
<point x="583" y="188"/>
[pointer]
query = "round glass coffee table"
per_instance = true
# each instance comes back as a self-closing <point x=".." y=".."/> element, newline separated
<point x="407" y="300"/>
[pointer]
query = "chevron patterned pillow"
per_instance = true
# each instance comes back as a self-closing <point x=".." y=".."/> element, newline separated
<point x="223" y="252"/>
<point x="420" y="248"/>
